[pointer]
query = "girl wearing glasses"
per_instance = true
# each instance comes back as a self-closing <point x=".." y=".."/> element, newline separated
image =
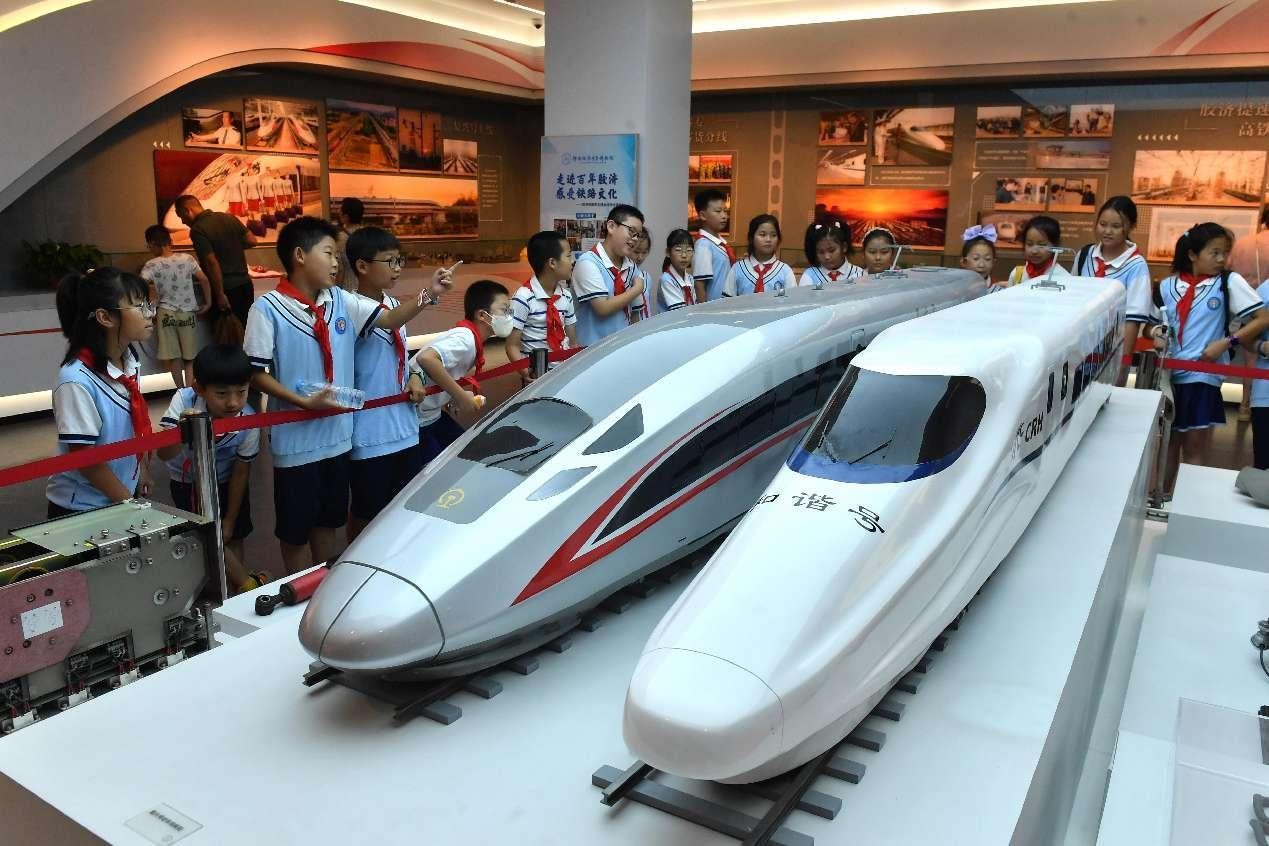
<point x="97" y="399"/>
<point x="677" y="288"/>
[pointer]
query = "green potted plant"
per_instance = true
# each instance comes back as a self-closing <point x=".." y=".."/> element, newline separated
<point x="44" y="264"/>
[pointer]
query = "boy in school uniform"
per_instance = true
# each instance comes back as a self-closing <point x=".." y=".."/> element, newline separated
<point x="451" y="356"/>
<point x="385" y="441"/>
<point x="714" y="256"/>
<point x="305" y="331"/>
<point x="542" y="311"/>
<point x="222" y="376"/>
<point x="171" y="278"/>
<point x="609" y="294"/>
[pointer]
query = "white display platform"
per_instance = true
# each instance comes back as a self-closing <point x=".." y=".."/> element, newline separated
<point x="1193" y="645"/>
<point x="238" y="616"/>
<point x="1210" y="521"/>
<point x="989" y="750"/>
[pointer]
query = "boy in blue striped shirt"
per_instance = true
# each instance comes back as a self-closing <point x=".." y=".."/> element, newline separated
<point x="542" y="310"/>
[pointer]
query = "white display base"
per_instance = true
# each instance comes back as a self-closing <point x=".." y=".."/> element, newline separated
<point x="989" y="750"/>
<point x="238" y="616"/>
<point x="1210" y="521"/>
<point x="1193" y="645"/>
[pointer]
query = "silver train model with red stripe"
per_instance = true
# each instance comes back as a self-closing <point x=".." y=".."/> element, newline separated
<point x="621" y="460"/>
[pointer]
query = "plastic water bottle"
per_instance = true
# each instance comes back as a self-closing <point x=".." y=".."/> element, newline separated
<point x="778" y="288"/>
<point x="342" y="394"/>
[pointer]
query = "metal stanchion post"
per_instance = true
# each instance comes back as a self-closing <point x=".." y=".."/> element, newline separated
<point x="196" y="433"/>
<point x="539" y="363"/>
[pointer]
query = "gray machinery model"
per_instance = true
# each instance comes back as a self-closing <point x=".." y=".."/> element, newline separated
<point x="94" y="600"/>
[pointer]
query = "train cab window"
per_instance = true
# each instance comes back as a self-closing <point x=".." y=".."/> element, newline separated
<point x="527" y="434"/>
<point x="880" y="428"/>
<point x="622" y="433"/>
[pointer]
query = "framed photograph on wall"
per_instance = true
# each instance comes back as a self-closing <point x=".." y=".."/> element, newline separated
<point x="1098" y="120"/>
<point x="1167" y="224"/>
<point x="280" y="126"/>
<point x="913" y="137"/>
<point x="842" y="166"/>
<point x="998" y="122"/>
<point x="1022" y="193"/>
<point x="202" y="127"/>
<point x="1065" y="154"/>
<point x="839" y="129"/>
<point x="412" y="206"/>
<point x="361" y="136"/>
<point x="1073" y="194"/>
<point x="420" y="141"/>
<point x="1045" y="121"/>
<point x="916" y="216"/>
<point x="1198" y="177"/>
<point x="459" y="157"/>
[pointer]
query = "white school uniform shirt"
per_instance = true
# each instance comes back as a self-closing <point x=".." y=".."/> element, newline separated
<point x="1205" y="322"/>
<point x="1260" y="387"/>
<point x="743" y="278"/>
<point x="592" y="280"/>
<point x="675" y="291"/>
<point x="711" y="263"/>
<point x="457" y="350"/>
<point x="1021" y="274"/>
<point x="528" y="313"/>
<point x="390" y="428"/>
<point x="243" y="445"/>
<point x="845" y="274"/>
<point x="92" y="410"/>
<point x="1129" y="269"/>
<point x="643" y="305"/>
<point x="280" y="341"/>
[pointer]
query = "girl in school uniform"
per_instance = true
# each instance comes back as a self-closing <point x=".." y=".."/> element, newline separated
<point x="978" y="252"/>
<point x="640" y="247"/>
<point x="760" y="270"/>
<point x="97" y="399"/>
<point x="1114" y="256"/>
<point x="1199" y="301"/>
<point x="677" y="288"/>
<point x="827" y="250"/>
<point x="1039" y="235"/>
<point x="878" y="246"/>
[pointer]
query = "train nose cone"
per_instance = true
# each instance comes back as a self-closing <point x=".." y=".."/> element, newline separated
<point x="370" y="620"/>
<point x="698" y="716"/>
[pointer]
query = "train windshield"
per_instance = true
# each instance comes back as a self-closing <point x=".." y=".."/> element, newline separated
<point x="880" y="428"/>
<point x="526" y="435"/>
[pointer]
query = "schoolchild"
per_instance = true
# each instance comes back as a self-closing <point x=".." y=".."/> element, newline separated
<point x="828" y="247"/>
<point x="760" y="270"/>
<point x="714" y="256"/>
<point x="306" y="332"/>
<point x="878" y="246"/>
<point x="640" y="248"/>
<point x="1115" y="256"/>
<point x="607" y="291"/>
<point x="1039" y="235"/>
<point x="978" y="252"/>
<point x="1199" y="302"/>
<point x="677" y="288"/>
<point x="542" y="312"/>
<point x="222" y="377"/>
<point x="171" y="278"/>
<point x="385" y="440"/>
<point x="449" y="359"/>
<point x="97" y="399"/>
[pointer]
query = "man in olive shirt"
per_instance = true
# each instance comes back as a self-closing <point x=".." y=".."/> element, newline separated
<point x="219" y="241"/>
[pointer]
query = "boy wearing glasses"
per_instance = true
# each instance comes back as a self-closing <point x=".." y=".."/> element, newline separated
<point x="609" y="293"/>
<point x="171" y="279"/>
<point x="385" y="441"/>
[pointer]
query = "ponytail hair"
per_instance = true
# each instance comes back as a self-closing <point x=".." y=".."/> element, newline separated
<point x="833" y="231"/>
<point x="1194" y="240"/>
<point x="676" y="238"/>
<point x="80" y="295"/>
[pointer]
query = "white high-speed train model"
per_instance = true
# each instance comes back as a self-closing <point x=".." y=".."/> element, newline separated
<point x="619" y="461"/>
<point x="915" y="481"/>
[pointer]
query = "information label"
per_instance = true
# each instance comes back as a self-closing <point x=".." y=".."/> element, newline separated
<point x="490" y="170"/>
<point x="163" y="824"/>
<point x="41" y="620"/>
<point x="916" y="177"/>
<point x="997" y="154"/>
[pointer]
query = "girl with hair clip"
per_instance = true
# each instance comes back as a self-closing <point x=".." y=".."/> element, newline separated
<point x="978" y="253"/>
<point x="677" y="288"/>
<point x="827" y="248"/>
<point x="1199" y="301"/>
<point x="878" y="246"/>
<point x="760" y="270"/>
<point x="1114" y="256"/>
<point x="1039" y="235"/>
<point x="97" y="399"/>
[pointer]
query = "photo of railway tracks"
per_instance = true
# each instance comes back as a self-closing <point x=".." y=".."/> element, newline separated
<point x="361" y="136"/>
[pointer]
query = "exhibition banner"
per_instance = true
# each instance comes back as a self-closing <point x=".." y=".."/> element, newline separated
<point x="582" y="178"/>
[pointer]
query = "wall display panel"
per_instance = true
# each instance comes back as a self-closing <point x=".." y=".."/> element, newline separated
<point x="1166" y="225"/>
<point x="263" y="191"/>
<point x="842" y="166"/>
<point x="1046" y="121"/>
<point x="998" y="122"/>
<point x="582" y="178"/>
<point x="1097" y="120"/>
<point x="1011" y="225"/>
<point x="281" y="126"/>
<point x="203" y="127"/>
<point x="1073" y="194"/>
<point x="361" y="136"/>
<point x="413" y="206"/>
<point x="419" y="137"/>
<point x="1198" y="177"/>
<point x="913" y="136"/>
<point x="460" y="157"/>
<point x="917" y="217"/>
<point x="844" y="129"/>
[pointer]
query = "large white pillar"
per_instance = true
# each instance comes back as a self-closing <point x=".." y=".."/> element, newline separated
<point x="625" y="66"/>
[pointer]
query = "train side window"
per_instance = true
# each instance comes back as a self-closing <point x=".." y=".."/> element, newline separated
<point x="620" y="434"/>
<point x="803" y="401"/>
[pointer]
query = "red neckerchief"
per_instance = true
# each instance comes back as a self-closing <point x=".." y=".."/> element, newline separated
<point x="832" y="275"/>
<point x="1187" y="302"/>
<point x="554" y="320"/>
<point x="731" y="254"/>
<point x="1099" y="266"/>
<point x="320" y="330"/>
<point x="763" y="270"/>
<point x="1038" y="270"/>
<point x="480" y="354"/>
<point x="618" y="283"/>
<point x="398" y="345"/>
<point x="137" y="409"/>
<point x="689" y="289"/>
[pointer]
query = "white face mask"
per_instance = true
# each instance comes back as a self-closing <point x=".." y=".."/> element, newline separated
<point x="502" y="325"/>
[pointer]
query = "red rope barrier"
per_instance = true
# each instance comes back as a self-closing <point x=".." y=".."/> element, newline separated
<point x="30" y="332"/>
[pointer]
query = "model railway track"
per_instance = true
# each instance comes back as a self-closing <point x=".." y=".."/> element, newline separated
<point x="787" y="793"/>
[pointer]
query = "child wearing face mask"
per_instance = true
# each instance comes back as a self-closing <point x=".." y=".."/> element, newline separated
<point x="448" y="359"/>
